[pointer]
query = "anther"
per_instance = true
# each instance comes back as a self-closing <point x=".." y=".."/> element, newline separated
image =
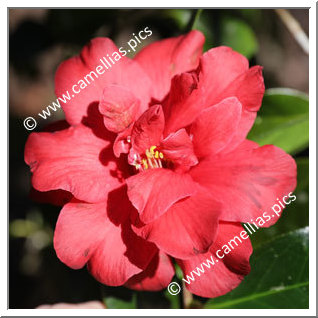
<point x="151" y="159"/>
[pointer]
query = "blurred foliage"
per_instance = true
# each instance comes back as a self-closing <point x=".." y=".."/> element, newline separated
<point x="115" y="303"/>
<point x="239" y="36"/>
<point x="36" y="274"/>
<point x="174" y="300"/>
<point x="283" y="120"/>
<point x="218" y="29"/>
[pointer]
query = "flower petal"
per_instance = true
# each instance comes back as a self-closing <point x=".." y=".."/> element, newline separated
<point x="84" y="234"/>
<point x="74" y="160"/>
<point x="119" y="107"/>
<point x="154" y="191"/>
<point x="222" y="73"/>
<point x="215" y="127"/>
<point x="245" y="124"/>
<point x="183" y="103"/>
<point x="247" y="181"/>
<point x="121" y="143"/>
<point x="147" y="130"/>
<point x="166" y="58"/>
<point x="226" y="273"/>
<point x="188" y="228"/>
<point x="218" y="68"/>
<point x="88" y="72"/>
<point x="155" y="277"/>
<point x="178" y="148"/>
<point x="248" y="88"/>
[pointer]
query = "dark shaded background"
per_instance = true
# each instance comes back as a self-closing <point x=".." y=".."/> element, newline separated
<point x="39" y="40"/>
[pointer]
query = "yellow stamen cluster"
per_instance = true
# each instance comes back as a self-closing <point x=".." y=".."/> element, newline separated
<point x="152" y="160"/>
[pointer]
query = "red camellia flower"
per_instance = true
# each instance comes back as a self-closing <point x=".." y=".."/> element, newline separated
<point x="155" y="164"/>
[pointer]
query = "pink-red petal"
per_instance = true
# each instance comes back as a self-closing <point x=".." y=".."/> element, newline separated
<point x="85" y="234"/>
<point x="226" y="273"/>
<point x="166" y="58"/>
<point x="156" y="276"/>
<point x="74" y="160"/>
<point x="188" y="228"/>
<point x="245" y="124"/>
<point x="215" y="127"/>
<point x="218" y="68"/>
<point x="82" y="71"/>
<point x="248" y="88"/>
<point x="122" y="143"/>
<point x="119" y="108"/>
<point x="147" y="130"/>
<point x="178" y="148"/>
<point x="247" y="181"/>
<point x="184" y="102"/>
<point x="153" y="192"/>
<point x="222" y="73"/>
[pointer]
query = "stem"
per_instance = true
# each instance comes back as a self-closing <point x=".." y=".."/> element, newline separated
<point x="187" y="297"/>
<point x="295" y="29"/>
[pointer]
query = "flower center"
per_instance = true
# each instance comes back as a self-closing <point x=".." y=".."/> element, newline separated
<point x="152" y="159"/>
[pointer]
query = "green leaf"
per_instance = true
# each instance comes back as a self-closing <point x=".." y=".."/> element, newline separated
<point x="115" y="303"/>
<point x="239" y="36"/>
<point x="279" y="276"/>
<point x="283" y="120"/>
